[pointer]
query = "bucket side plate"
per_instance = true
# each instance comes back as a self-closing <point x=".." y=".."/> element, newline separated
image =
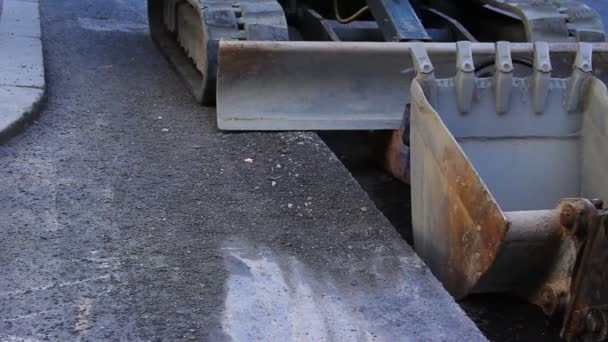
<point x="454" y="216"/>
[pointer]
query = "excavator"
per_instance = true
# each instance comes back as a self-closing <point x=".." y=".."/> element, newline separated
<point x="497" y="112"/>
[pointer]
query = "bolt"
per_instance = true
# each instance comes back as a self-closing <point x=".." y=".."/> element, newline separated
<point x="567" y="217"/>
<point x="545" y="67"/>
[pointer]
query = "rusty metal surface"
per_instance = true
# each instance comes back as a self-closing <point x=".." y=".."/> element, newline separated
<point x="532" y="241"/>
<point x="457" y="225"/>
<point x="550" y="258"/>
<point x="329" y="85"/>
<point x="587" y="317"/>
<point x="587" y="310"/>
<point x="396" y="152"/>
<point x="396" y="159"/>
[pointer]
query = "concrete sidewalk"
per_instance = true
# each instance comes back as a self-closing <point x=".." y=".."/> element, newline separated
<point x="22" y="85"/>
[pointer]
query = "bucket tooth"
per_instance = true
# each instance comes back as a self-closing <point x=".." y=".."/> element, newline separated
<point x="425" y="71"/>
<point x="581" y="71"/>
<point x="503" y="78"/>
<point x="541" y="77"/>
<point x="422" y="62"/>
<point x="465" y="76"/>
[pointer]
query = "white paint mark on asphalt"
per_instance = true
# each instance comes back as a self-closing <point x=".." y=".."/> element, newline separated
<point x="273" y="296"/>
<point x="102" y="262"/>
<point x="109" y="25"/>
<point x="53" y="285"/>
<point x="31" y="315"/>
<point x="272" y="302"/>
<point x="13" y="338"/>
<point x="108" y="193"/>
<point x="84" y="312"/>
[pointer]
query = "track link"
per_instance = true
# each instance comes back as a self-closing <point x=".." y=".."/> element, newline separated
<point x="555" y="20"/>
<point x="189" y="31"/>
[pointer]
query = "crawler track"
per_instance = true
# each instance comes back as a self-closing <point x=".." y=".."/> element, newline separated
<point x="188" y="34"/>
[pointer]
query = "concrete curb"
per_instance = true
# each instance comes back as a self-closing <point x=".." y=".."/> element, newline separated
<point x="22" y="84"/>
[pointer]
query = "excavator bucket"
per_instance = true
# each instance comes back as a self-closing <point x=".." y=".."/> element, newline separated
<point x="333" y="85"/>
<point x="506" y="177"/>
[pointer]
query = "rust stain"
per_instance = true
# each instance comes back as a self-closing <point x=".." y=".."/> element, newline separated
<point x="237" y="60"/>
<point x="397" y="157"/>
<point x="588" y="291"/>
<point x="475" y="226"/>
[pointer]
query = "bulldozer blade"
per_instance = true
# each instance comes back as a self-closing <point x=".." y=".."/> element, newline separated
<point x="332" y="86"/>
<point x="506" y="173"/>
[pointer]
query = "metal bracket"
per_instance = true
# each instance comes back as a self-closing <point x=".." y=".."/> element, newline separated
<point x="581" y="71"/>
<point x="425" y="71"/>
<point x="503" y="78"/>
<point x="465" y="76"/>
<point x="397" y="20"/>
<point x="586" y="317"/>
<point x="541" y="76"/>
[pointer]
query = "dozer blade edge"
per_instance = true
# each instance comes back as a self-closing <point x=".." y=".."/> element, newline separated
<point x="342" y="86"/>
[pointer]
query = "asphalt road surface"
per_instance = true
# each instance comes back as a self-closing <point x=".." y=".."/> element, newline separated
<point x="126" y="215"/>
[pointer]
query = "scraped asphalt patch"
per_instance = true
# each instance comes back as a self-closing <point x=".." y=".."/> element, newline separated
<point x="109" y="25"/>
